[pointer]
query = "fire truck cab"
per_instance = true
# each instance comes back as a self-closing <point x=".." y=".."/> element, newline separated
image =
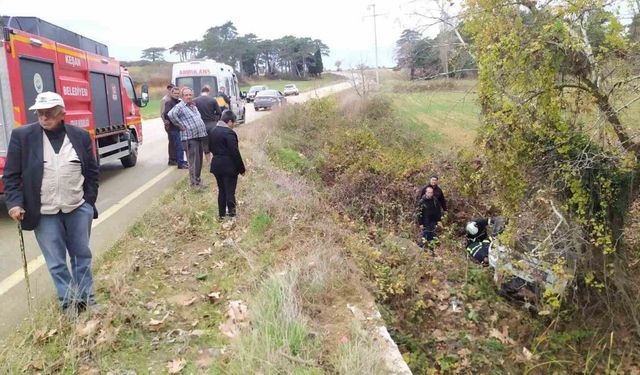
<point x="99" y="94"/>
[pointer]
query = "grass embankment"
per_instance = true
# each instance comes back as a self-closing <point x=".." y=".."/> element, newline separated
<point x="170" y="281"/>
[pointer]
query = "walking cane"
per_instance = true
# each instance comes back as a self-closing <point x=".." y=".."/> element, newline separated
<point x="24" y="265"/>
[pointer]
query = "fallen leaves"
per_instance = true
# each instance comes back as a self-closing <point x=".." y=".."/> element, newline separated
<point x="44" y="335"/>
<point x="88" y="329"/>
<point x="503" y="336"/>
<point x="214" y="296"/>
<point x="175" y="366"/>
<point x="155" y="325"/>
<point x="237" y="318"/>
<point x="189" y="301"/>
<point x="205" y="252"/>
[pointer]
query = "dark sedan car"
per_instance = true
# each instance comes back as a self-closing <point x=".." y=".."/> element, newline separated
<point x="268" y="99"/>
<point x="253" y="91"/>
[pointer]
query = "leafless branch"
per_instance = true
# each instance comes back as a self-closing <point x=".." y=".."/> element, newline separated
<point x="448" y="73"/>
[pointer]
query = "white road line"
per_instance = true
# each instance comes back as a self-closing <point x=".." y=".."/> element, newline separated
<point x="33" y="265"/>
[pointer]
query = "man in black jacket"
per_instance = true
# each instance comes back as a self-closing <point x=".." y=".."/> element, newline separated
<point x="171" y="147"/>
<point x="209" y="111"/>
<point x="174" y="129"/>
<point x="428" y="215"/>
<point x="51" y="187"/>
<point x="437" y="192"/>
<point x="227" y="162"/>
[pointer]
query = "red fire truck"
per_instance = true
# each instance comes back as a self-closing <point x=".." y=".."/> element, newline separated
<point x="98" y="92"/>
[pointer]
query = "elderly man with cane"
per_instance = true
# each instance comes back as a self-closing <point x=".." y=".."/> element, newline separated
<point x="51" y="187"/>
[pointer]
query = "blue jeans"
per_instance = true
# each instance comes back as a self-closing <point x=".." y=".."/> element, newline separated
<point x="175" y="138"/>
<point x="61" y="233"/>
<point x="429" y="231"/>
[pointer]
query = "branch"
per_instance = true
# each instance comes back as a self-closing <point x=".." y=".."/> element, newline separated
<point x="628" y="104"/>
<point x="623" y="82"/>
<point x="448" y="73"/>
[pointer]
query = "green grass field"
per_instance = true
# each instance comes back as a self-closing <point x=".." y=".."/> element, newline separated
<point x="278" y="84"/>
<point x="446" y="116"/>
<point x="152" y="110"/>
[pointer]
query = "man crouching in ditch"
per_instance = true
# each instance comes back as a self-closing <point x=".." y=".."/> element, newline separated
<point x="51" y="187"/>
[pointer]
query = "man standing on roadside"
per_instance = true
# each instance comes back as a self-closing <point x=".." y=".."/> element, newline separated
<point x="171" y="145"/>
<point x="174" y="129"/>
<point x="192" y="132"/>
<point x="227" y="163"/>
<point x="51" y="187"/>
<point x="210" y="112"/>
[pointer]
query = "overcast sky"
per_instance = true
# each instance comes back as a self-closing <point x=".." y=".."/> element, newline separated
<point x="128" y="27"/>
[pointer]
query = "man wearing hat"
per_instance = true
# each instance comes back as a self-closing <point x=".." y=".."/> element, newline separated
<point x="51" y="186"/>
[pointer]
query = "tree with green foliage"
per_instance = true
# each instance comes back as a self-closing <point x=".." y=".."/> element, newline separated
<point x="417" y="54"/>
<point x="186" y="50"/>
<point x="218" y="43"/>
<point x="291" y="55"/>
<point x="153" y="53"/>
<point x="555" y="81"/>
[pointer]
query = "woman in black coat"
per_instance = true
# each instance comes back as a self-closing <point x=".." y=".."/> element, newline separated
<point x="227" y="163"/>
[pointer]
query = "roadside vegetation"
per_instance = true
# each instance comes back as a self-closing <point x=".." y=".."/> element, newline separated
<point x="273" y="292"/>
<point x="444" y="311"/>
<point x="325" y="235"/>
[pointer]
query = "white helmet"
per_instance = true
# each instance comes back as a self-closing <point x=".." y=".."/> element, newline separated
<point x="472" y="228"/>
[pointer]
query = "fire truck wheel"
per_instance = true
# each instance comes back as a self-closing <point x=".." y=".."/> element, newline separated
<point x="131" y="159"/>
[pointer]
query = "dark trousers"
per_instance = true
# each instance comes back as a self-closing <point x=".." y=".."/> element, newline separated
<point x="171" y="148"/>
<point x="178" y="150"/>
<point x="226" y="194"/>
<point x="194" y="150"/>
<point x="429" y="234"/>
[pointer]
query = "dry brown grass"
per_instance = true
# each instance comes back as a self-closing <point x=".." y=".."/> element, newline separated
<point x="287" y="247"/>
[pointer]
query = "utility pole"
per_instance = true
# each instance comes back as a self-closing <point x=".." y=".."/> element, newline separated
<point x="375" y="36"/>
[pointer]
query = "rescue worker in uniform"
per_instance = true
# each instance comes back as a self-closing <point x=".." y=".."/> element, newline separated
<point x="478" y="241"/>
<point x="223" y="99"/>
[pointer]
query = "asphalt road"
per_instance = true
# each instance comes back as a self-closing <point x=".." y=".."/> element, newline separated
<point x="123" y="197"/>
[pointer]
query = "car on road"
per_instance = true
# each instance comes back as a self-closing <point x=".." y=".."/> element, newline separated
<point x="291" y="89"/>
<point x="268" y="99"/>
<point x="251" y="95"/>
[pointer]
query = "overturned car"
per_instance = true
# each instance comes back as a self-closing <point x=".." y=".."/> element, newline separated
<point x="536" y="268"/>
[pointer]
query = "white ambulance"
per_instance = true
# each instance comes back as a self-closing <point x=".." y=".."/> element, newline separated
<point x="196" y="74"/>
